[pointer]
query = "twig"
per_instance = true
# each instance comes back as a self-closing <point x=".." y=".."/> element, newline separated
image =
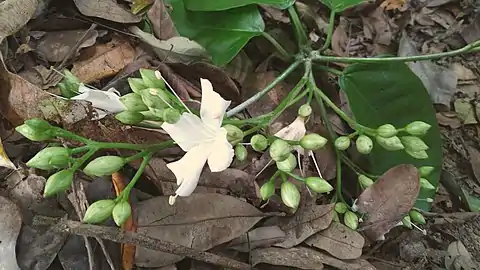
<point x="116" y="235"/>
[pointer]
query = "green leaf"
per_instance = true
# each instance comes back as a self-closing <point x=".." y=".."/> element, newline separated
<point x="222" y="33"/>
<point x="391" y="93"/>
<point x="341" y="5"/>
<point x="215" y="5"/>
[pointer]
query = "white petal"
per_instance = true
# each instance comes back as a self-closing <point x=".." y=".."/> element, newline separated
<point x="189" y="131"/>
<point x="104" y="100"/>
<point x="293" y="132"/>
<point x="187" y="170"/>
<point x="213" y="106"/>
<point x="222" y="153"/>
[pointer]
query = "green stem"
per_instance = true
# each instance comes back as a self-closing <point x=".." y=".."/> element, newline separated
<point x="277" y="45"/>
<point x="112" y="145"/>
<point x="126" y="192"/>
<point x="264" y="91"/>
<point x="297" y="25"/>
<point x="328" y="69"/>
<point x="79" y="149"/>
<point x="296" y="177"/>
<point x="79" y="162"/>
<point x="298" y="98"/>
<point x="331" y="24"/>
<point x="60" y="132"/>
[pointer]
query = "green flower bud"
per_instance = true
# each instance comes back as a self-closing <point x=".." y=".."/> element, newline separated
<point x="58" y="182"/>
<point x="129" y="117"/>
<point x="280" y="150"/>
<point x="364" y="144"/>
<point x="417" y="128"/>
<point x="416" y="217"/>
<point x="424" y="183"/>
<point x="335" y="217"/>
<point x="386" y="131"/>
<point x="364" y="181"/>
<point x="234" y="134"/>
<point x="155" y="98"/>
<point x="150" y="79"/>
<point x="407" y="222"/>
<point x="305" y="110"/>
<point x="241" y="152"/>
<point x="259" y="142"/>
<point x="351" y="220"/>
<point x="390" y="144"/>
<point x="313" y="141"/>
<point x="417" y="154"/>
<point x="425" y="170"/>
<point x="38" y="124"/>
<point x="267" y="190"/>
<point x="69" y="84"/>
<point x="290" y="194"/>
<point x="60" y="162"/>
<point x="341" y="208"/>
<point x="318" y="185"/>
<point x="105" y="165"/>
<point x="149" y="115"/>
<point x="121" y="212"/>
<point x="42" y="159"/>
<point x="136" y="84"/>
<point x="287" y="165"/>
<point x="413" y="143"/>
<point x="34" y="134"/>
<point x="171" y="115"/>
<point x="133" y="102"/>
<point x="99" y="211"/>
<point x="342" y="143"/>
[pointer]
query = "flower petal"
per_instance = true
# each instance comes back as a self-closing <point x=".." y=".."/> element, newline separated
<point x="187" y="170"/>
<point x="103" y="100"/>
<point x="294" y="131"/>
<point x="213" y="106"/>
<point x="189" y="131"/>
<point x="222" y="153"/>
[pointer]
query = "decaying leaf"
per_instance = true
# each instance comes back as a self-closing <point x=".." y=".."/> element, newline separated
<point x="55" y="46"/>
<point x="9" y="230"/>
<point x="107" y="9"/>
<point x="4" y="160"/>
<point x="200" y="221"/>
<point x="393" y="4"/>
<point x="14" y="14"/>
<point x="376" y="26"/>
<point x="458" y="257"/>
<point x="338" y="240"/>
<point x="388" y="200"/>
<point x="466" y="111"/>
<point x="258" y="238"/>
<point x="162" y="23"/>
<point x="240" y="68"/>
<point x="139" y="5"/>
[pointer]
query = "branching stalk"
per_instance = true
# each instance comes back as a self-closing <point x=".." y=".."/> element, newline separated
<point x="277" y="45"/>
<point x="331" y="24"/>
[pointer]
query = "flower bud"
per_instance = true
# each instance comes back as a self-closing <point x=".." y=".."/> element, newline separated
<point x="150" y="79"/>
<point x="60" y="162"/>
<point x="305" y="110"/>
<point x="133" y="102"/>
<point x="267" y="190"/>
<point x="42" y="159"/>
<point x="364" y="181"/>
<point x="171" y="115"/>
<point x="425" y="170"/>
<point x="318" y="185"/>
<point x="341" y="208"/>
<point x="129" y="117"/>
<point x="424" y="183"/>
<point x="105" y="165"/>
<point x="155" y="98"/>
<point x="335" y="217"/>
<point x="149" y="115"/>
<point x="38" y="124"/>
<point x="99" y="211"/>
<point x="234" y="134"/>
<point x="386" y="131"/>
<point x="58" y="182"/>
<point x="312" y="141"/>
<point x="259" y="142"/>
<point x="351" y="220"/>
<point x="241" y="152"/>
<point x="390" y="144"/>
<point x="417" y="154"/>
<point x="34" y="133"/>
<point x="290" y="194"/>
<point x="407" y="222"/>
<point x="136" y="84"/>
<point x="280" y="150"/>
<point x="287" y="165"/>
<point x="342" y="143"/>
<point x="417" y="128"/>
<point x="364" y="144"/>
<point x="121" y="212"/>
<point x="69" y="84"/>
<point x="413" y="143"/>
<point x="416" y="217"/>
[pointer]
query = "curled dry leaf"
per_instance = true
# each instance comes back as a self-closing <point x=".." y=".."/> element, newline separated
<point x="388" y="200"/>
<point x="4" y="160"/>
<point x="240" y="68"/>
<point x="9" y="230"/>
<point x="258" y="238"/>
<point x="376" y="26"/>
<point x="107" y="9"/>
<point x="55" y="46"/>
<point x="14" y="14"/>
<point x="162" y="23"/>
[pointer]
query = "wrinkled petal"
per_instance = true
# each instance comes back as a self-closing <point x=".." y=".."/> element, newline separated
<point x="187" y="170"/>
<point x="189" y="131"/>
<point x="104" y="100"/>
<point x="293" y="132"/>
<point x="222" y="153"/>
<point x="213" y="106"/>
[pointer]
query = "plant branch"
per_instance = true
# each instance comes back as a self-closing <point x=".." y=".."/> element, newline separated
<point x="331" y="24"/>
<point x="277" y="45"/>
<point x="297" y="25"/>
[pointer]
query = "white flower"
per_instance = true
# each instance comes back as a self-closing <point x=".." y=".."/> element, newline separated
<point x="104" y="102"/>
<point x="204" y="140"/>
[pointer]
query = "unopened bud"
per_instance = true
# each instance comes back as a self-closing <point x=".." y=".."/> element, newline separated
<point x="58" y="182"/>
<point x="171" y="115"/>
<point x="38" y="124"/>
<point x="364" y="144"/>
<point x="121" y="212"/>
<point x="42" y="160"/>
<point x="305" y="110"/>
<point x="280" y="150"/>
<point x="155" y="98"/>
<point x="290" y="194"/>
<point x="386" y="131"/>
<point x="99" y="211"/>
<point x="312" y="141"/>
<point x="287" y="165"/>
<point x="425" y="170"/>
<point x="136" y="84"/>
<point x="413" y="143"/>
<point x="318" y="185"/>
<point x="234" y="134"/>
<point x="351" y="220"/>
<point x="34" y="134"/>
<point x="105" y="165"/>
<point x="342" y="143"/>
<point x="390" y="144"/>
<point x="259" y="142"/>
<point x="417" y="128"/>
<point x="417" y="154"/>
<point x="364" y="181"/>
<point x="150" y="79"/>
<point x="129" y="117"/>
<point x="407" y="222"/>
<point x="416" y="217"/>
<point x="69" y="85"/>
<point x="267" y="190"/>
<point x="241" y="152"/>
<point x="150" y="115"/>
<point x="424" y="183"/>
<point x="341" y="208"/>
<point x="133" y="102"/>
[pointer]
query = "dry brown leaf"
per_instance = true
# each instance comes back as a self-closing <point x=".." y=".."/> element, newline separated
<point x="376" y="26"/>
<point x="474" y="161"/>
<point x="258" y="238"/>
<point x="14" y="14"/>
<point x="9" y="229"/>
<point x="55" y="46"/>
<point x="240" y="68"/>
<point x="449" y="119"/>
<point x="162" y="24"/>
<point x="393" y="4"/>
<point x="107" y="9"/>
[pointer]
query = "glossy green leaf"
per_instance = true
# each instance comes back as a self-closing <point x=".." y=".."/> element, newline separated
<point x="213" y="5"/>
<point x="341" y="5"/>
<point x="392" y="93"/>
<point x="222" y="33"/>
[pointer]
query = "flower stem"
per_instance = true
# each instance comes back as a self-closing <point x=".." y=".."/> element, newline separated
<point x="126" y="191"/>
<point x="294" y="176"/>
<point x="79" y="162"/>
<point x="277" y="45"/>
<point x="297" y="25"/>
<point x="331" y="24"/>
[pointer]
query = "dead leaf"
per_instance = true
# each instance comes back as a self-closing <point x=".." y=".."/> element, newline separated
<point x="306" y="222"/>
<point x="465" y="110"/>
<point x="437" y="3"/>
<point x="338" y="240"/>
<point x="240" y="68"/>
<point x="9" y="230"/>
<point x="449" y="119"/>
<point x="200" y="221"/>
<point x="73" y="254"/>
<point x="258" y="238"/>
<point x="4" y="160"/>
<point x="340" y="38"/>
<point x="138" y="5"/>
<point x="458" y="257"/>
<point x="276" y="14"/>
<point x="14" y="14"/>
<point x="388" y="200"/>
<point x="55" y="46"/>
<point x="463" y="73"/>
<point x="393" y="4"/>
<point x="162" y="23"/>
<point x="306" y="12"/>
<point x="184" y="88"/>
<point x="376" y="26"/>
<point x="107" y="9"/>
<point x="474" y="161"/>
<point x="471" y="33"/>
